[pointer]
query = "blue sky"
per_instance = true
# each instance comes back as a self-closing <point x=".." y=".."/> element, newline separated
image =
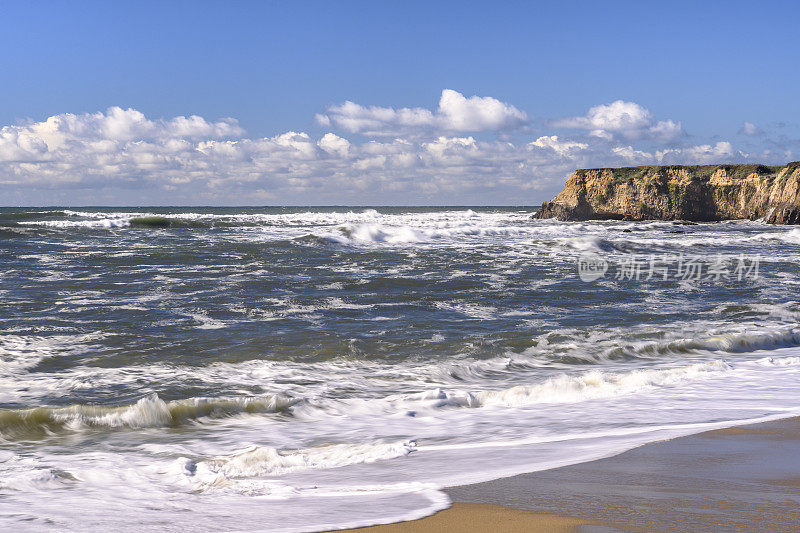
<point x="695" y="82"/>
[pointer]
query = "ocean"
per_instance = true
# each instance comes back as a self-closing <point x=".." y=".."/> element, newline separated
<point x="301" y="369"/>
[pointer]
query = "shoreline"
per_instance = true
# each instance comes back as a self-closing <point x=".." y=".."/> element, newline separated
<point x="742" y="477"/>
<point x="463" y="516"/>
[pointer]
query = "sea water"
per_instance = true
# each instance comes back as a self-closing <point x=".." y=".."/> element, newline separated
<point x="300" y="369"/>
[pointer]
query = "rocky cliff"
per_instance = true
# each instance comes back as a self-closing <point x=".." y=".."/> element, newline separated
<point x="698" y="193"/>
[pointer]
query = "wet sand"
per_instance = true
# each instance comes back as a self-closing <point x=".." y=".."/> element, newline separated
<point x="745" y="479"/>
<point x="461" y="517"/>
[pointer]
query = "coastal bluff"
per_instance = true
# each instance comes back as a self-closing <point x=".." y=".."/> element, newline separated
<point x="701" y="193"/>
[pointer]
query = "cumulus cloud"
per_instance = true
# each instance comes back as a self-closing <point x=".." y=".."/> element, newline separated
<point x="748" y="128"/>
<point x="563" y="148"/>
<point x="455" y="113"/>
<point x="334" y="145"/>
<point x="118" y="124"/>
<point x="204" y="160"/>
<point x="622" y="120"/>
<point x="631" y="156"/>
<point x="121" y="156"/>
<point x="721" y="152"/>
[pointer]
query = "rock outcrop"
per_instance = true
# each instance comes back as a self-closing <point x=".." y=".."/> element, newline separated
<point x="697" y="193"/>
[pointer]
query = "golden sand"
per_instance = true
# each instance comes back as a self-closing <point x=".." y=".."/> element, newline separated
<point x="738" y="479"/>
<point x="478" y="517"/>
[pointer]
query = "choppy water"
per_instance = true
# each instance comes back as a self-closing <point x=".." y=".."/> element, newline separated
<point x="298" y="369"/>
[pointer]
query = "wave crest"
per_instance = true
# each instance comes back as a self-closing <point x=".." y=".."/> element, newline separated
<point x="267" y="461"/>
<point x="150" y="411"/>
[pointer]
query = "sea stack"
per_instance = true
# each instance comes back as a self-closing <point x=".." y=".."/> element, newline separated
<point x="702" y="193"/>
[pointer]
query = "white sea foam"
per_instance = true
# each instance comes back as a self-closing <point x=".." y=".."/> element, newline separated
<point x="373" y="227"/>
<point x="617" y="411"/>
<point x="206" y="322"/>
<point x="266" y="461"/>
<point x="453" y="227"/>
<point x="291" y="442"/>
<point x="599" y="384"/>
<point x="101" y="223"/>
<point x="23" y="352"/>
<point x="19" y="473"/>
<point x="459" y="386"/>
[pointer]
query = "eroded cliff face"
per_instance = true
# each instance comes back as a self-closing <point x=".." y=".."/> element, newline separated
<point x="697" y="193"/>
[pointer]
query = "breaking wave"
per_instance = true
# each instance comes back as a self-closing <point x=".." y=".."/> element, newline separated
<point x="354" y="360"/>
<point x="151" y="411"/>
<point x="267" y="461"/>
<point x="742" y="342"/>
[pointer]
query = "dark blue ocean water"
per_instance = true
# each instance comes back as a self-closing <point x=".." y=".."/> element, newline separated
<point x="304" y="368"/>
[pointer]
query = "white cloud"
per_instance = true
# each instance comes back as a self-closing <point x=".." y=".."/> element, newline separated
<point x="333" y="144"/>
<point x="455" y="113"/>
<point x="623" y="120"/>
<point x="721" y="152"/>
<point x="561" y="147"/>
<point x="121" y="156"/>
<point x="450" y="147"/>
<point x="632" y="156"/>
<point x="118" y="124"/>
<point x="478" y="113"/>
<point x="748" y="128"/>
<point x="171" y="161"/>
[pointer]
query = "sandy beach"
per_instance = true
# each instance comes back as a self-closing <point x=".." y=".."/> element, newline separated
<point x="743" y="478"/>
